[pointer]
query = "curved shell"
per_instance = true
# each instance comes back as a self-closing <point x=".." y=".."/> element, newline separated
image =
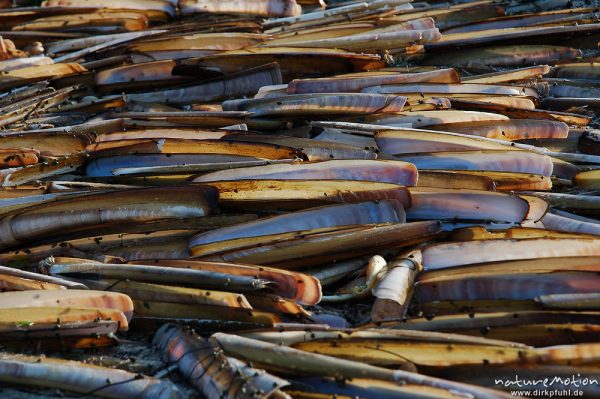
<point x="325" y="247"/>
<point x="372" y="40"/>
<point x="315" y="150"/>
<point x="466" y="205"/>
<point x="300" y="287"/>
<point x="224" y="41"/>
<point x="498" y="161"/>
<point x="385" y="211"/>
<point x="562" y="223"/>
<point x="198" y="278"/>
<point x="184" y="146"/>
<point x="44" y="318"/>
<point x="161" y="133"/>
<point x="396" y="172"/>
<point x="513" y="129"/>
<point x="505" y="56"/>
<point x="428" y="118"/>
<point x="449" y="179"/>
<point x="587" y="70"/>
<point x="515" y="267"/>
<point x="246" y="83"/>
<point x="412" y="141"/>
<point x="509" y="286"/>
<point x="146" y="6"/>
<point x="17" y="63"/>
<point x="294" y="62"/>
<point x="302" y="194"/>
<point x="265" y="8"/>
<point x="452" y="88"/>
<point x="144" y="72"/>
<point x="319" y="104"/>
<point x="195" y="358"/>
<point x="87" y="213"/>
<point x="356" y="84"/>
<point x="512" y="181"/>
<point x="84" y="378"/>
<point x="445" y="255"/>
<point x="68" y="299"/>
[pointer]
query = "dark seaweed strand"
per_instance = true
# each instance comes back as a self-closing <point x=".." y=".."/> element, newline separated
<point x="112" y="384"/>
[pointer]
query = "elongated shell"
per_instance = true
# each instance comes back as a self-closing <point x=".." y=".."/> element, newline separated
<point x="200" y="147"/>
<point x="372" y="40"/>
<point x="586" y="70"/>
<point x="278" y="356"/>
<point x="413" y="141"/>
<point x="513" y="129"/>
<point x="299" y="194"/>
<point x="44" y="318"/>
<point x="113" y="21"/>
<point x="161" y="133"/>
<point x="240" y="84"/>
<point x="149" y="7"/>
<point x="578" y="300"/>
<point x="355" y="84"/>
<point x="521" y="286"/>
<point x="83" y="378"/>
<point x="300" y="287"/>
<point x="17" y="63"/>
<point x="198" y="278"/>
<point x="21" y="76"/>
<point x="566" y="224"/>
<point x="197" y="41"/>
<point x="328" y="216"/>
<point x="508" y="34"/>
<point x="455" y="254"/>
<point x="215" y="375"/>
<point x="319" y="104"/>
<point x="265" y="8"/>
<point x="89" y="212"/>
<point x="322" y="248"/>
<point x="498" y="161"/>
<point x="449" y="179"/>
<point x="452" y="88"/>
<point x="136" y="74"/>
<point x="512" y="181"/>
<point x="294" y="62"/>
<point x="466" y="205"/>
<point x="13" y="283"/>
<point x="9" y="271"/>
<point x="428" y="118"/>
<point x="396" y="172"/>
<point x="315" y="150"/>
<point x="514" y="267"/>
<point x="68" y="299"/>
<point x="520" y="74"/>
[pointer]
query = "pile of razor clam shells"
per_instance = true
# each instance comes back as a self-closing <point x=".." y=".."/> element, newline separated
<point x="230" y="199"/>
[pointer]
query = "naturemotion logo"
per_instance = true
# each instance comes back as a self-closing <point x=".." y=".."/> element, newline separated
<point x="547" y="387"/>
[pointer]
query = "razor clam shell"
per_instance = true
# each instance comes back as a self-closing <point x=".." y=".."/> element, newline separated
<point x="300" y="287"/>
<point x="209" y="370"/>
<point x="346" y="85"/>
<point x="445" y="255"/>
<point x="396" y="172"/>
<point x="384" y="211"/>
<point x="428" y="204"/>
<point x="319" y="104"/>
<point x="83" y="378"/>
<point x="92" y="211"/>
<point x="68" y="299"/>
<point x="235" y="85"/>
<point x="157" y="274"/>
<point x="499" y="161"/>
